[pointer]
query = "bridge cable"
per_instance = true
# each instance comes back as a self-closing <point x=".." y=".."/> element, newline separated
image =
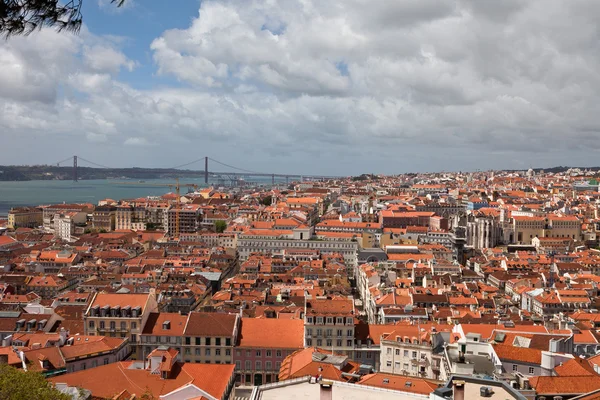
<point x="93" y="163"/>
<point x="231" y="166"/>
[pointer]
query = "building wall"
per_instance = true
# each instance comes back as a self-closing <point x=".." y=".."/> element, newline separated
<point x="248" y="245"/>
<point x="408" y="359"/>
<point x="331" y="334"/>
<point x="251" y="361"/>
<point x="103" y="359"/>
<point x="218" y="350"/>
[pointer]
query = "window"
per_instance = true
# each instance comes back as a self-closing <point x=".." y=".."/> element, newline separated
<point x="134" y="325"/>
<point x="268" y="365"/>
<point x="388" y="364"/>
<point x="207" y="341"/>
<point x="369" y="354"/>
<point x="218" y="341"/>
<point x="278" y="353"/>
<point x="217" y="352"/>
<point x="397" y="352"/>
<point x="207" y="352"/>
<point x="106" y="361"/>
<point x="187" y="350"/>
<point x="228" y="342"/>
<point x="248" y="364"/>
<point x="238" y="365"/>
<point x="309" y="320"/>
<point x="309" y="342"/>
<point x="309" y="332"/>
<point x="268" y="353"/>
<point x="187" y="340"/>
<point x="358" y="354"/>
<point x="414" y="354"/>
<point x="340" y="332"/>
<point x="258" y="365"/>
<point x="248" y="353"/>
<point x="329" y="320"/>
<point x="349" y="343"/>
<point x="329" y="343"/>
<point x="319" y="342"/>
<point x="515" y="367"/>
<point x="197" y="351"/>
<point x="320" y="320"/>
<point x="319" y="332"/>
<point x="91" y="324"/>
<point x="238" y="353"/>
<point x="389" y="351"/>
<point x="258" y="353"/>
<point x="349" y="332"/>
<point x="197" y="341"/>
<point x="531" y="370"/>
<point x="349" y="321"/>
<point x="340" y="320"/>
<point x="123" y="325"/>
<point x="338" y="343"/>
<point x="329" y="332"/>
<point x="113" y="325"/>
<point x="227" y="352"/>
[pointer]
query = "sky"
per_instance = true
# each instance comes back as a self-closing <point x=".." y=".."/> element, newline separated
<point x="336" y="87"/>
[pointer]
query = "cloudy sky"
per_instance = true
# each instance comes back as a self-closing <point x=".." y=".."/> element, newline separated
<point x="310" y="86"/>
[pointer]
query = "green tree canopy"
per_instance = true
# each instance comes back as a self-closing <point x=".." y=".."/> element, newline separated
<point x="220" y="226"/>
<point x="20" y="385"/>
<point x="266" y="201"/>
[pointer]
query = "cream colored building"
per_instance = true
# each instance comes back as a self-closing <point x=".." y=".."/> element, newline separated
<point x="130" y="217"/>
<point x="527" y="228"/>
<point x="25" y="217"/>
<point x="408" y="351"/>
<point x="568" y="226"/>
<point x="119" y="314"/>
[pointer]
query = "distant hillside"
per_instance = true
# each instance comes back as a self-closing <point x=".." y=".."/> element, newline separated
<point x="48" y="172"/>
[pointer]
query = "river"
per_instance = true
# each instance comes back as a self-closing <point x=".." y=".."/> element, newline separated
<point x="33" y="193"/>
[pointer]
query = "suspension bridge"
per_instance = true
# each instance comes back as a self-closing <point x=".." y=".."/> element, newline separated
<point x="237" y="172"/>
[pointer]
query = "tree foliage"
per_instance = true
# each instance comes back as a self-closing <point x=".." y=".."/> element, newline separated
<point x="21" y="17"/>
<point x="267" y="200"/>
<point x="20" y="385"/>
<point x="220" y="226"/>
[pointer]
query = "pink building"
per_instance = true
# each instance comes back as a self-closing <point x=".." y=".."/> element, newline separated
<point x="263" y="345"/>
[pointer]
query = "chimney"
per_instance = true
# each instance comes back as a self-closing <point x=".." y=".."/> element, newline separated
<point x="459" y="390"/>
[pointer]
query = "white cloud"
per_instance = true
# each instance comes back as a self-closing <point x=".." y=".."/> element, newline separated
<point x="106" y="59"/>
<point x="324" y="86"/>
<point x="136" y="141"/>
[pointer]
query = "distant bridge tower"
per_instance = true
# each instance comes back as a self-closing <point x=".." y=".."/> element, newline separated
<point x="206" y="170"/>
<point x="74" y="168"/>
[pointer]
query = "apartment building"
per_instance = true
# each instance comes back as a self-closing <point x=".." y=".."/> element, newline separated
<point x="64" y="224"/>
<point x="568" y="226"/>
<point x="402" y="219"/>
<point x="258" y="356"/>
<point x="276" y="243"/>
<point x="329" y="324"/>
<point x="407" y="350"/>
<point x="25" y="217"/>
<point x="162" y="329"/>
<point x="103" y="218"/>
<point x="48" y="212"/>
<point x="119" y="315"/>
<point x="130" y="217"/>
<point x="210" y="337"/>
<point x="190" y="216"/>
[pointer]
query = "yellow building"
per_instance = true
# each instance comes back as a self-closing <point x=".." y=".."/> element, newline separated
<point x="25" y="217"/>
<point x="527" y="228"/>
<point x="568" y="226"/>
